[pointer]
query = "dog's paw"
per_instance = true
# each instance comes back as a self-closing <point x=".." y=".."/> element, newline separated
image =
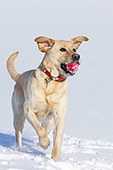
<point x="44" y="142"/>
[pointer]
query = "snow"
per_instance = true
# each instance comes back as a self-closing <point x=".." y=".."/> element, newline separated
<point x="76" y="154"/>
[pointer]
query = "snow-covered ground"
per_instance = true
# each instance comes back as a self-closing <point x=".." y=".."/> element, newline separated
<point x="76" y="154"/>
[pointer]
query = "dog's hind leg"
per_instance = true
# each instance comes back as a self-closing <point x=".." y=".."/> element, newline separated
<point x="19" y="125"/>
<point x="19" y="117"/>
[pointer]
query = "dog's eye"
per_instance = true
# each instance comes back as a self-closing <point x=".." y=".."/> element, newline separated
<point x="74" y="49"/>
<point x="63" y="49"/>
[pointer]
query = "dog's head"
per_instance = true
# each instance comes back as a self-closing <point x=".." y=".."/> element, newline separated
<point x="61" y="55"/>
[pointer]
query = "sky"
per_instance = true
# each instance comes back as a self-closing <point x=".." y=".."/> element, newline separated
<point x="90" y="108"/>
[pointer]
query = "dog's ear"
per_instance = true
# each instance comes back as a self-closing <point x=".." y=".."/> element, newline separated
<point x="78" y="40"/>
<point x="44" y="43"/>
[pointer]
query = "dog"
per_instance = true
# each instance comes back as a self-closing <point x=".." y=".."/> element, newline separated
<point x="40" y="95"/>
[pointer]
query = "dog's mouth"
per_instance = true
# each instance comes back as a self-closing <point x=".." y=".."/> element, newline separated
<point x="70" y="68"/>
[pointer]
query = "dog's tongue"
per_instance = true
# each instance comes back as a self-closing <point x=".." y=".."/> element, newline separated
<point x="73" y="67"/>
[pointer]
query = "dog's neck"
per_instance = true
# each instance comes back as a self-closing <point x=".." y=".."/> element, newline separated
<point x="50" y="77"/>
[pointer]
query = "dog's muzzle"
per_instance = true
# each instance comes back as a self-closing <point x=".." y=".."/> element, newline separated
<point x="71" y="67"/>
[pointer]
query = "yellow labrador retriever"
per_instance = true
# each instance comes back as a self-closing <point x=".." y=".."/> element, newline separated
<point x="41" y="95"/>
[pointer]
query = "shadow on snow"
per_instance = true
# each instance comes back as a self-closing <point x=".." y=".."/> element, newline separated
<point x="8" y="141"/>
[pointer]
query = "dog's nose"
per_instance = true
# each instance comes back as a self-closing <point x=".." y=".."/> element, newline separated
<point x="76" y="56"/>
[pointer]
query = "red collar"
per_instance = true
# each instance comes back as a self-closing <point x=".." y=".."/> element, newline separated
<point x="49" y="76"/>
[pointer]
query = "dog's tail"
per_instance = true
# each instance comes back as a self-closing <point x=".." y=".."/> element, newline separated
<point x="10" y="66"/>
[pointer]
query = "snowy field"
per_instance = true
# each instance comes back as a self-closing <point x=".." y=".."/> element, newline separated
<point x="88" y="139"/>
<point x="76" y="154"/>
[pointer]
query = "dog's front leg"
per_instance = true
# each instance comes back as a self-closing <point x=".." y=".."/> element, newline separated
<point x="58" y="136"/>
<point x="32" y="118"/>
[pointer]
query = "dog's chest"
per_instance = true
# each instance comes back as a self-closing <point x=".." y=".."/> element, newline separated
<point x="48" y="99"/>
<point x="55" y="91"/>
